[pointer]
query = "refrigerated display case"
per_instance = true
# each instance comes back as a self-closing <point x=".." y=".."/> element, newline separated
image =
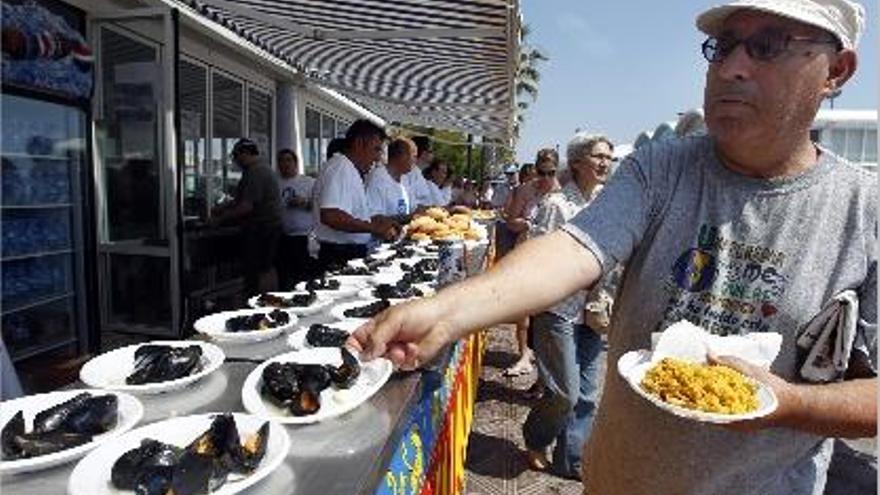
<point x="43" y="156"/>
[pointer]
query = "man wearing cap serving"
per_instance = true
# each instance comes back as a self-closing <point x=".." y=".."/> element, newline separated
<point x="750" y="228"/>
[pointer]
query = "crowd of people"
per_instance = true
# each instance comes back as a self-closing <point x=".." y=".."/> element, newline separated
<point x="748" y="201"/>
<point x="748" y="227"/>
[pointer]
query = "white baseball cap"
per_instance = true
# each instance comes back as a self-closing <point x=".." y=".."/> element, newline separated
<point x="842" y="18"/>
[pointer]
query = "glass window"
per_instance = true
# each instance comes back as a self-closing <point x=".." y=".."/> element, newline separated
<point x="838" y="141"/>
<point x="342" y="127"/>
<point x="314" y="153"/>
<point x="855" y="141"/>
<point x="328" y="132"/>
<point x="128" y="138"/>
<point x="871" y="146"/>
<point x="260" y="123"/>
<point x="228" y="107"/>
<point x="193" y="94"/>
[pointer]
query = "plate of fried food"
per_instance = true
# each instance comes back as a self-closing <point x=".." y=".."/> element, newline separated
<point x="437" y="224"/>
<point x="678" y="377"/>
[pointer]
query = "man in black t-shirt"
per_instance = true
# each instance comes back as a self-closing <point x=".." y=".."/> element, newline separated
<point x="257" y="208"/>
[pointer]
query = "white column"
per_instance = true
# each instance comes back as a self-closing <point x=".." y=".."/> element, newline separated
<point x="288" y="131"/>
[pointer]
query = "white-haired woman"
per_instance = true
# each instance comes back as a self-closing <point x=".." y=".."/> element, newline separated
<point x="567" y="350"/>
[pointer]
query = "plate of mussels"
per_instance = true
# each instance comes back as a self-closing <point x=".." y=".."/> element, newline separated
<point x="312" y="385"/>
<point x="297" y="302"/>
<point x="396" y="292"/>
<point x="332" y="288"/>
<point x="219" y="454"/>
<point x="362" y="309"/>
<point x="246" y="325"/>
<point x="321" y="335"/>
<point x="45" y="430"/>
<point x="153" y="367"/>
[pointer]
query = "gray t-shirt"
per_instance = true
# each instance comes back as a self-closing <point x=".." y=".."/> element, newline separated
<point x="259" y="185"/>
<point x="734" y="255"/>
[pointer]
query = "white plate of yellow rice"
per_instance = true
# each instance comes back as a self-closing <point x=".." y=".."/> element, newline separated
<point x="690" y="390"/>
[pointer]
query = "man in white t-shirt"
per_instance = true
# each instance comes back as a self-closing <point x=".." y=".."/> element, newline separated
<point x="344" y="223"/>
<point x="386" y="194"/>
<point x="414" y="181"/>
<point x="293" y="260"/>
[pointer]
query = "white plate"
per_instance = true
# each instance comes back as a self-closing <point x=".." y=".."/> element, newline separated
<point x="338" y="311"/>
<point x="130" y="412"/>
<point x="320" y="303"/>
<point x="214" y="326"/>
<point x="334" y="402"/>
<point x="109" y="370"/>
<point x="92" y="475"/>
<point x="297" y="340"/>
<point x="633" y="365"/>
<point x="346" y="289"/>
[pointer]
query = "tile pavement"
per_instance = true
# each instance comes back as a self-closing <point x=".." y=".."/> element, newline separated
<point x="496" y="462"/>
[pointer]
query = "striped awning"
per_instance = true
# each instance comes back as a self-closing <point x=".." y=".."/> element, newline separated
<point x="439" y="63"/>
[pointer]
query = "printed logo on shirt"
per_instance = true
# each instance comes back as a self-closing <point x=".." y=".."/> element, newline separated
<point x="401" y="206"/>
<point x="725" y="286"/>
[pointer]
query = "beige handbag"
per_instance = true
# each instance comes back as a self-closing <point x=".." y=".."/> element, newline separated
<point x="597" y="312"/>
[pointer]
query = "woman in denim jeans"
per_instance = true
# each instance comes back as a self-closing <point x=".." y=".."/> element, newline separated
<point x="567" y="350"/>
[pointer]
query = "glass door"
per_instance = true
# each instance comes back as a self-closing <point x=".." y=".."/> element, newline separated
<point x="42" y="247"/>
<point x="136" y="184"/>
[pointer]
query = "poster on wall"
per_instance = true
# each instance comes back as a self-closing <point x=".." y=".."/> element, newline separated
<point x="44" y="49"/>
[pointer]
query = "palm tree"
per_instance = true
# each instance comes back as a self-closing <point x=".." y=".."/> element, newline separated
<point x="527" y="77"/>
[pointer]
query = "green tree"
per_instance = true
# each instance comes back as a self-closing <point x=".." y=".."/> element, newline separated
<point x="527" y="78"/>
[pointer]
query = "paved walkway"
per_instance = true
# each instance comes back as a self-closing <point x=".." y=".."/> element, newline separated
<point x="496" y="454"/>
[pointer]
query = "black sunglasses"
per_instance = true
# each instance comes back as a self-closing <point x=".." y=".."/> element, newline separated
<point x="764" y="45"/>
<point x="547" y="173"/>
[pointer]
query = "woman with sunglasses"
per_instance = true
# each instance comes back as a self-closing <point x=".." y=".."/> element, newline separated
<point x="518" y="214"/>
<point x="566" y="349"/>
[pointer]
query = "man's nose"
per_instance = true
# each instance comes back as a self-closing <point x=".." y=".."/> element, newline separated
<point x="737" y="65"/>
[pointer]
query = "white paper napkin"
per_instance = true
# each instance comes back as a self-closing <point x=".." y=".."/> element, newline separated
<point x="685" y="340"/>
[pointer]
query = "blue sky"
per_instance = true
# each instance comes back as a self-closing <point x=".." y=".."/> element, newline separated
<point x="625" y="66"/>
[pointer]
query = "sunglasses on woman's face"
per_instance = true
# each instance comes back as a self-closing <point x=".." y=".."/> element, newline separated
<point x="547" y="173"/>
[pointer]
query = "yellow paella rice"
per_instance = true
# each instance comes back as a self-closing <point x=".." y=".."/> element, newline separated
<point x="710" y="388"/>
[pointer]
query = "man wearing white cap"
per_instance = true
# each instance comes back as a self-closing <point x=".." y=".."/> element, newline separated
<point x="751" y="228"/>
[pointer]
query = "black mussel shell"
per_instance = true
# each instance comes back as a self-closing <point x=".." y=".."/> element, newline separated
<point x="305" y="402"/>
<point x="14" y="428"/>
<point x="314" y="377"/>
<point x="131" y="465"/>
<point x="37" y="444"/>
<point x="94" y="416"/>
<point x="196" y="474"/>
<point x="165" y="363"/>
<point x="346" y="374"/>
<point x="325" y="336"/>
<point x="252" y="450"/>
<point x="280" y="383"/>
<point x="220" y="441"/>
<point x="368" y="311"/>
<point x="52" y="418"/>
<point x="154" y="480"/>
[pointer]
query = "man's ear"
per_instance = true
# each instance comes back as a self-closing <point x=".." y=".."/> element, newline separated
<point x="843" y="66"/>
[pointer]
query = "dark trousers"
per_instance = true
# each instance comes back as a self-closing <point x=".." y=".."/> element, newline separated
<point x="334" y="255"/>
<point x="293" y="261"/>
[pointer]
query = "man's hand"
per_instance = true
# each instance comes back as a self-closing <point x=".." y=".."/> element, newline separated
<point x="786" y="393"/>
<point x="383" y="228"/>
<point x="408" y="334"/>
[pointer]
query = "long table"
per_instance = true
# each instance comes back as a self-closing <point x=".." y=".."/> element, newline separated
<point x="408" y="438"/>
